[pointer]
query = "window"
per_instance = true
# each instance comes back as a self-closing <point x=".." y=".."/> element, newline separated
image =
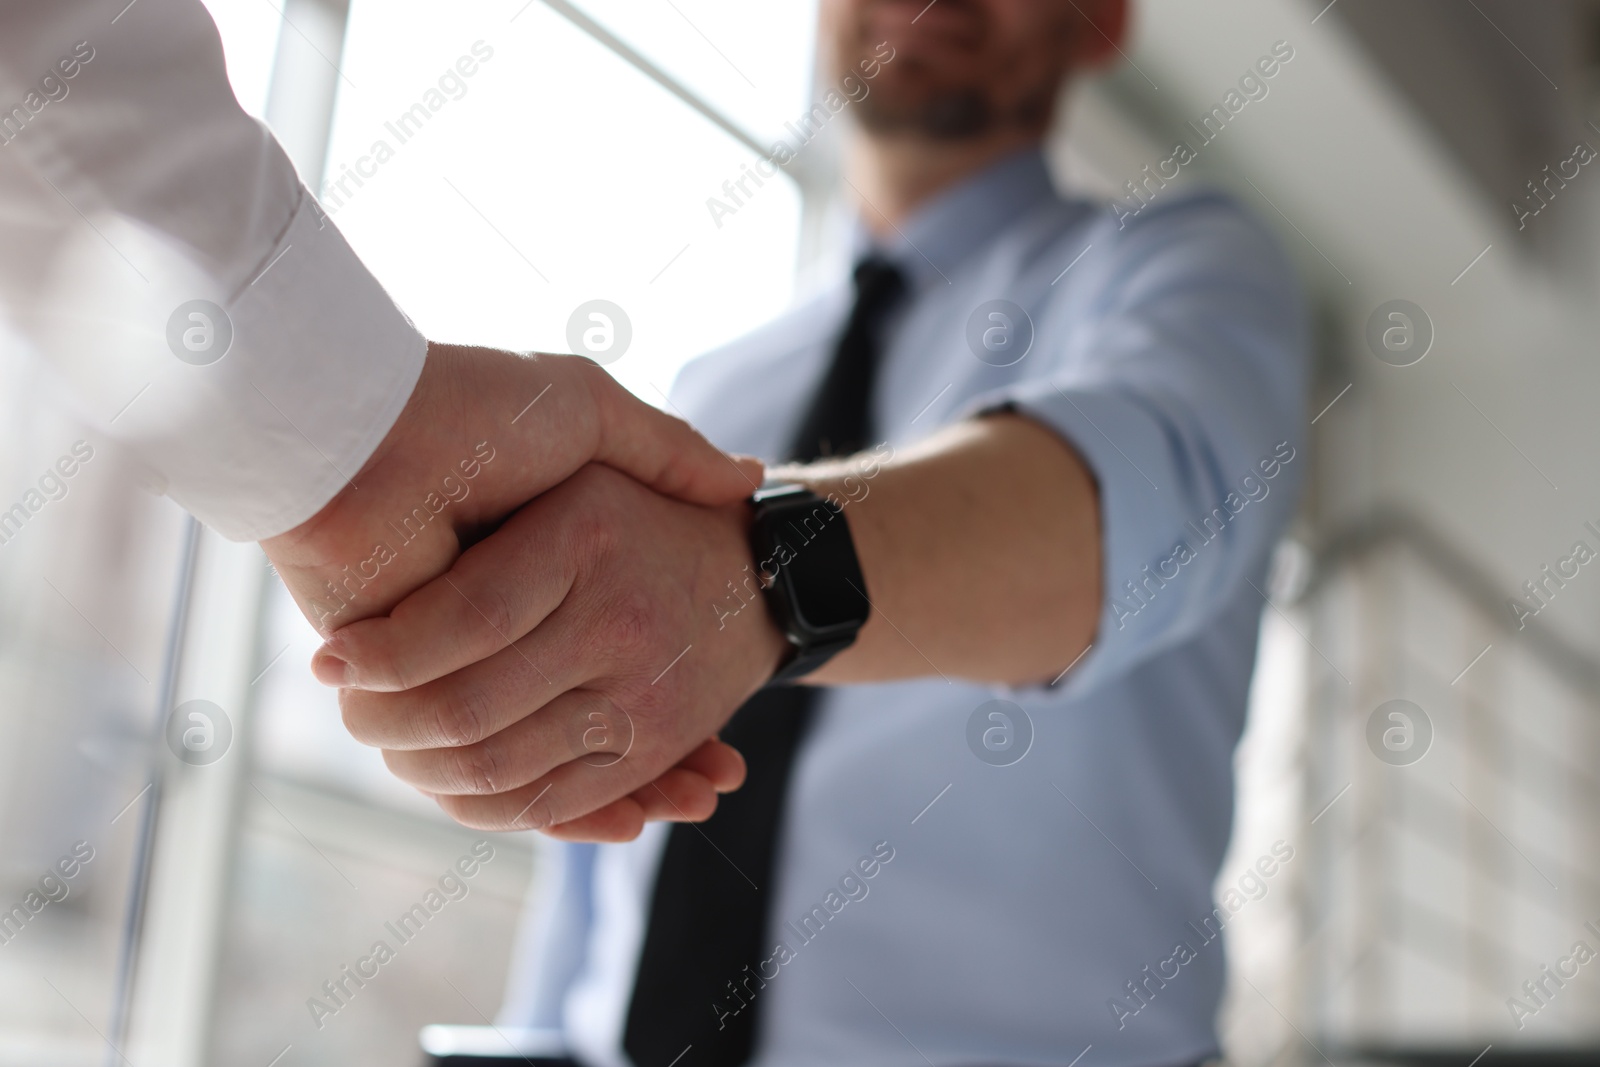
<point x="553" y="175"/>
<point x="90" y="572"/>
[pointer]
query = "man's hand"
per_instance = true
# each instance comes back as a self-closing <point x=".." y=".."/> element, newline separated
<point x="629" y="644"/>
<point x="483" y="432"/>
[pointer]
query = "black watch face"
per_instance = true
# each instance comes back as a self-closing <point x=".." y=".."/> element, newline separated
<point x="818" y="576"/>
<point x="820" y="581"/>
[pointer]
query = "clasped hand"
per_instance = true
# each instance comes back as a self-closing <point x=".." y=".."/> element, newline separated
<point x="565" y="671"/>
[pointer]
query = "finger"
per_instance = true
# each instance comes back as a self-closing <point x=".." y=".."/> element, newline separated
<point x="617" y="822"/>
<point x="665" y="452"/>
<point x="677" y="796"/>
<point x="474" y="703"/>
<point x="579" y="724"/>
<point x="570" y="791"/>
<point x="721" y="764"/>
<point x="497" y="591"/>
<point x="686" y="793"/>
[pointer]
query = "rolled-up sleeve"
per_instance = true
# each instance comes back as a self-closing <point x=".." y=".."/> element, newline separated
<point x="1181" y="382"/>
<point x="160" y="254"/>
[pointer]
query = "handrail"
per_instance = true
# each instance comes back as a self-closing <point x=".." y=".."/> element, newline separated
<point x="1396" y="907"/>
<point x="1389" y="524"/>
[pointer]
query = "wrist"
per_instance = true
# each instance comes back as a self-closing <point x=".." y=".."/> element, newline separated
<point x="741" y="602"/>
<point x="854" y="485"/>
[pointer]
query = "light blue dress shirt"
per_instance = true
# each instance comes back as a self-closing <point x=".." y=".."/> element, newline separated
<point x="1061" y="902"/>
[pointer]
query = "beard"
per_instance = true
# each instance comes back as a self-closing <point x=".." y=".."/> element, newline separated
<point x="953" y="113"/>
<point x="924" y="96"/>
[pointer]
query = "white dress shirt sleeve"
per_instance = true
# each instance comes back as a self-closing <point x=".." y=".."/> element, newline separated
<point x="132" y="186"/>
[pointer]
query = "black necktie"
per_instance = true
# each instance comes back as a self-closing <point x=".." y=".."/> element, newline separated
<point x="699" y="984"/>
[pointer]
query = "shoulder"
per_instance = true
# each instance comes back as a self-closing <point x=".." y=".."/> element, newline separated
<point x="1196" y="234"/>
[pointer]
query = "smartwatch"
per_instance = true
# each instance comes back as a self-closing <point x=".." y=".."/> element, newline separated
<point x="807" y="562"/>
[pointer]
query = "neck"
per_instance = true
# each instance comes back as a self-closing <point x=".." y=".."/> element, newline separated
<point x="895" y="174"/>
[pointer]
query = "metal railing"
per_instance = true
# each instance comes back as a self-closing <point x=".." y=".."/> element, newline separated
<point x="1443" y="878"/>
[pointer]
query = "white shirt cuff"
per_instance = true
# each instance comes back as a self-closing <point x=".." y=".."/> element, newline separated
<point x="321" y="364"/>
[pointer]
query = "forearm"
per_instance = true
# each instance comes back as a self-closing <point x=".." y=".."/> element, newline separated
<point x="189" y="299"/>
<point x="981" y="553"/>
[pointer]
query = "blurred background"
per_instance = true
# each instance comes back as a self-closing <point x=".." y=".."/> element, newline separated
<point x="1417" y="159"/>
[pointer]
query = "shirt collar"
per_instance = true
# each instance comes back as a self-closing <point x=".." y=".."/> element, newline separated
<point x="943" y="232"/>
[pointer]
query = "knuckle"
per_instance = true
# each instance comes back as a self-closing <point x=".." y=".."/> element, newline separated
<point x="627" y="625"/>
<point x="551" y="810"/>
<point x="593" y="528"/>
<point x="458" y="718"/>
<point x="651" y="709"/>
<point x="538" y="817"/>
<point x="607" y="734"/>
<point x="347" y="644"/>
<point x="534" y="814"/>
<point x="585" y="529"/>
<point x="475" y="769"/>
<point x="497" y="606"/>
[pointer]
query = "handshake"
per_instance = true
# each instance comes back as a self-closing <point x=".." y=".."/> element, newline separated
<point x="517" y="598"/>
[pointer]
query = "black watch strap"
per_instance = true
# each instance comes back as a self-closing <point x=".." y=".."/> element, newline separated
<point x="802" y="662"/>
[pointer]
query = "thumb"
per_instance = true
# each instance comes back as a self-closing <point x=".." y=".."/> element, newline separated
<point x="666" y="453"/>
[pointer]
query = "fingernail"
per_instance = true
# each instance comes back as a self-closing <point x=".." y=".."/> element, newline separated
<point x="331" y="670"/>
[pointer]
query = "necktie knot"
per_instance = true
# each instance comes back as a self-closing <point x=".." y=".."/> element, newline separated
<point x="879" y="286"/>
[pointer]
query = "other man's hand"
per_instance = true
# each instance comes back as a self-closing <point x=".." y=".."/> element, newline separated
<point x="483" y="432"/>
<point x="627" y="646"/>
